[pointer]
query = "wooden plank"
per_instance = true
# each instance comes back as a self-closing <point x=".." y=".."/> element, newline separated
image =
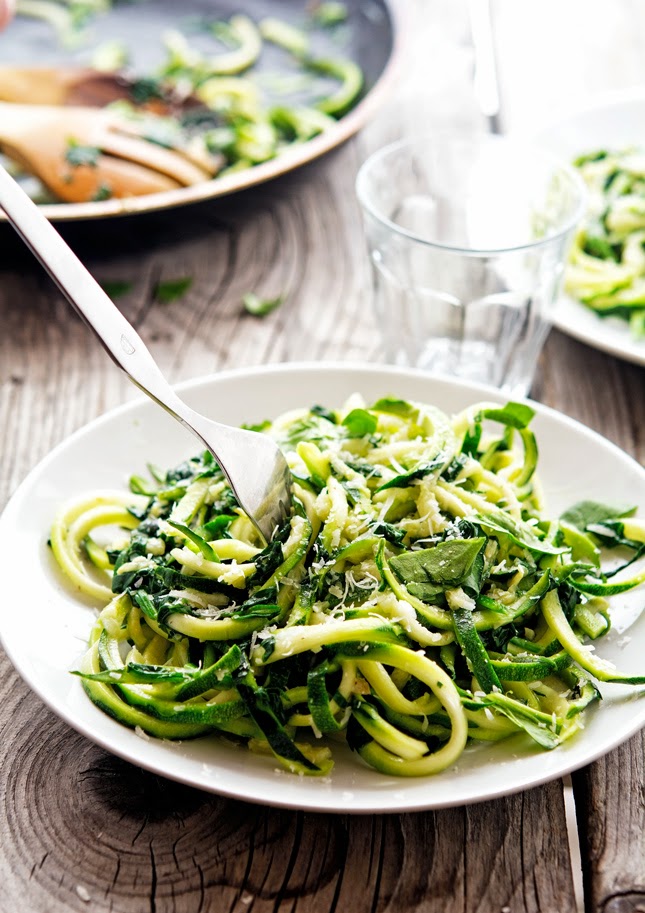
<point x="84" y="830"/>
<point x="611" y="814"/>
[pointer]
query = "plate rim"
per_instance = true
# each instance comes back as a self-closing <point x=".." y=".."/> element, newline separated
<point x="258" y="794"/>
<point x="289" y="160"/>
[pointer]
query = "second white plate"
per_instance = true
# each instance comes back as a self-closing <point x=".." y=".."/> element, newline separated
<point x="615" y="121"/>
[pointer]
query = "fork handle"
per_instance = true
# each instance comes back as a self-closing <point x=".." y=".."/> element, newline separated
<point x="121" y="341"/>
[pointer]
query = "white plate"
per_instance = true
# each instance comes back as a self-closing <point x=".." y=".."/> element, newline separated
<point x="44" y="627"/>
<point x="612" y="122"/>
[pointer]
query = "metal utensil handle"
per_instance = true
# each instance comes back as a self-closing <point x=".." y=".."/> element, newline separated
<point x="120" y="339"/>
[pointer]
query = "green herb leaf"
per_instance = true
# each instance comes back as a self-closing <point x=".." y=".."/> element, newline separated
<point x="428" y="572"/>
<point x="516" y="415"/>
<point x="260" y="307"/>
<point x="321" y="412"/>
<point x="360" y="423"/>
<point x="258" y="426"/>
<point x="146" y="89"/>
<point x="218" y="526"/>
<point x="393" y="534"/>
<point x="103" y="192"/>
<point x="589" y="513"/>
<point x="518" y="532"/>
<point x="172" y="289"/>
<point x="419" y="472"/>
<point x="116" y="288"/>
<point x="77" y="155"/>
<point x="392" y="406"/>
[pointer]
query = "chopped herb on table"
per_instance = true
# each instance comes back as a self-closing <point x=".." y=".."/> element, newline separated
<point x="172" y="289"/>
<point x="260" y="307"/>
<point x="116" y="288"/>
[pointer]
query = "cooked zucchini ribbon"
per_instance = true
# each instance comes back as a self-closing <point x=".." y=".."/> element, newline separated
<point x="416" y="599"/>
<point x="607" y="264"/>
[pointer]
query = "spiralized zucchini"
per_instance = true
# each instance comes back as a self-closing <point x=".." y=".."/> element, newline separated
<point x="607" y="264"/>
<point x="415" y="600"/>
<point x="214" y="98"/>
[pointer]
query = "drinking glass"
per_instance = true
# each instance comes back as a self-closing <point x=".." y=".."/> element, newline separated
<point x="467" y="236"/>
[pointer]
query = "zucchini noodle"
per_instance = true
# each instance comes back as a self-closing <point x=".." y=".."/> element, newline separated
<point x="415" y="601"/>
<point x="229" y="94"/>
<point x="607" y="264"/>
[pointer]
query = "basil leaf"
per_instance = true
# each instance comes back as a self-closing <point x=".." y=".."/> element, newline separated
<point x="360" y="423"/>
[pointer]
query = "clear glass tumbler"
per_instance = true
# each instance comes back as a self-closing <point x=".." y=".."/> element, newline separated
<point x="467" y="236"/>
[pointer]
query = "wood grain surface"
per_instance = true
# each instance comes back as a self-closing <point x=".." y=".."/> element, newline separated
<point x="82" y="830"/>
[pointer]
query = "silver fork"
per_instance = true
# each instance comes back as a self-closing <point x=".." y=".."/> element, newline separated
<point x="253" y="463"/>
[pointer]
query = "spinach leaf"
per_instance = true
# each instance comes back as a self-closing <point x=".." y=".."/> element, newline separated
<point x="115" y="288"/>
<point x="453" y="468"/>
<point x="360" y="423"/>
<point x="324" y="413"/>
<point x="519" y="533"/>
<point x="428" y="572"/>
<point x="419" y="472"/>
<point x="217" y="528"/>
<point x="589" y="513"/>
<point x="393" y="534"/>
<point x="470" y="444"/>
<point x="393" y="406"/>
<point x="271" y="557"/>
<point x="172" y="289"/>
<point x="516" y="415"/>
<point x="262" y="604"/>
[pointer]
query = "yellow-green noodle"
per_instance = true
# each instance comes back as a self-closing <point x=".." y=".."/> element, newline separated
<point x="416" y="599"/>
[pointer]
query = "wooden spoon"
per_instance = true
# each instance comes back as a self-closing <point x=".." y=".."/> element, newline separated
<point x="83" y="154"/>
<point x="66" y="85"/>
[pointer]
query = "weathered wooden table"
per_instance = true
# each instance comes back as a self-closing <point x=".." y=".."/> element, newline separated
<point x="80" y="829"/>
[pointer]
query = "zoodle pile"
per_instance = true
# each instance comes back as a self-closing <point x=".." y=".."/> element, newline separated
<point x="416" y="599"/>
<point x="607" y="264"/>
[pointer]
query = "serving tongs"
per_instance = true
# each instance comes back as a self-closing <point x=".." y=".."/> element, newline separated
<point x="252" y="462"/>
